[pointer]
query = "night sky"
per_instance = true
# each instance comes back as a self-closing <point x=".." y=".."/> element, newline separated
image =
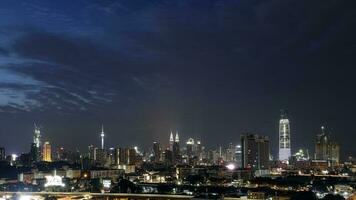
<point x="210" y="69"/>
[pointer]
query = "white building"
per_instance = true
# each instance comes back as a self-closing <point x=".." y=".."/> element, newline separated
<point x="284" y="138"/>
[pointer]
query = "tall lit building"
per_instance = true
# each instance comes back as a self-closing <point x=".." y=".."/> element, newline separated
<point x="238" y="154"/>
<point x="35" y="152"/>
<point x="284" y="138"/>
<point x="190" y="147"/>
<point x="326" y="149"/>
<point x="37" y="137"/>
<point x="199" y="150"/>
<point x="46" y="152"/>
<point x="255" y="151"/>
<point x="171" y="141"/>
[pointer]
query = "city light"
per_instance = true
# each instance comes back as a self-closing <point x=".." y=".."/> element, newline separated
<point x="231" y="166"/>
<point x="54" y="181"/>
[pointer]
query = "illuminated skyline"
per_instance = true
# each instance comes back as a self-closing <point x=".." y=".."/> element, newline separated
<point x="211" y="69"/>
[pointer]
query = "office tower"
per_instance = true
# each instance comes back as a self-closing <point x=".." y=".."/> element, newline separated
<point x="126" y="156"/>
<point x="168" y="156"/>
<point x="171" y="141"/>
<point x="100" y="156"/>
<point x="255" y="151"/>
<point x="34" y="153"/>
<point x="176" y="150"/>
<point x="326" y="149"/>
<point x="156" y="152"/>
<point x="121" y="156"/>
<point x="199" y="150"/>
<point x="91" y="153"/>
<point x="284" y="138"/>
<point x="230" y="153"/>
<point x="37" y="137"/>
<point x="112" y="156"/>
<point x="46" y="152"/>
<point x="238" y="154"/>
<point x="190" y="147"/>
<point x="131" y="156"/>
<point x="102" y="135"/>
<point x="2" y="154"/>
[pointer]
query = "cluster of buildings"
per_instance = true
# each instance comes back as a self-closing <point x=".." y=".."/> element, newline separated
<point x="177" y="163"/>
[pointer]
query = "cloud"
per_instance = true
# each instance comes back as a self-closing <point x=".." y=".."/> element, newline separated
<point x="69" y="73"/>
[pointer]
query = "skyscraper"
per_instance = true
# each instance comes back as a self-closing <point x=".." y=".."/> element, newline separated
<point x="255" y="151"/>
<point x="47" y="152"/>
<point x="190" y="147"/>
<point x="284" y="138"/>
<point x="238" y="154"/>
<point x="176" y="149"/>
<point x="35" y="152"/>
<point x="171" y="141"/>
<point x="37" y="137"/>
<point x="326" y="149"/>
<point x="156" y="152"/>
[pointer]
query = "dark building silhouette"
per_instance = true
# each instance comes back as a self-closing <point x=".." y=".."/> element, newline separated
<point x="255" y="151"/>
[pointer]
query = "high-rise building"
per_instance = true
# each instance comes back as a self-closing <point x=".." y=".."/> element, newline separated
<point x="91" y="153"/>
<point x="230" y="153"/>
<point x="131" y="156"/>
<point x="284" y="138"/>
<point x="168" y="156"/>
<point x="2" y="154"/>
<point x="190" y="147"/>
<point x="126" y="156"/>
<point x="46" y="152"/>
<point x="34" y="153"/>
<point x="326" y="149"/>
<point x="255" y="151"/>
<point x="37" y="137"/>
<point x="171" y="141"/>
<point x="176" y="150"/>
<point x="156" y="152"/>
<point x="238" y="154"/>
<point x="199" y="150"/>
<point x="101" y="156"/>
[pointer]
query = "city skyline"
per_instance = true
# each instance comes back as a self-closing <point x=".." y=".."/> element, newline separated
<point x="212" y="70"/>
<point x="175" y="139"/>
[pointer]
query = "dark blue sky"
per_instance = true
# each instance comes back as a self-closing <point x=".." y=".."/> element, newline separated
<point x="209" y="68"/>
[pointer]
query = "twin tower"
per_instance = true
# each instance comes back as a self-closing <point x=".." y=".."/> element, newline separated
<point x="173" y="140"/>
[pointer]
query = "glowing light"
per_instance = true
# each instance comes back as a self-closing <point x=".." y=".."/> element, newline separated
<point x="13" y="157"/>
<point x="230" y="166"/>
<point x="106" y="183"/>
<point x="53" y="181"/>
<point x="25" y="197"/>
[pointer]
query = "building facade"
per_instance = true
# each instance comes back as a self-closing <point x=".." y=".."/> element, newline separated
<point x="47" y="152"/>
<point x="326" y="149"/>
<point x="255" y="151"/>
<point x="284" y="138"/>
